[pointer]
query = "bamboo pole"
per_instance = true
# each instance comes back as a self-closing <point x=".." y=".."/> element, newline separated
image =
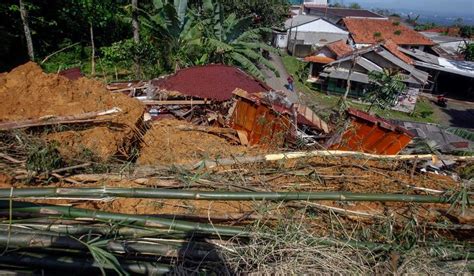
<point x="40" y="239"/>
<point x="104" y="192"/>
<point x="123" y="219"/>
<point x="323" y="153"/>
<point x="78" y="264"/>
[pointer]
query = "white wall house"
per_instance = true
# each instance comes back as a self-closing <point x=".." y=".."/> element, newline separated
<point x="308" y="30"/>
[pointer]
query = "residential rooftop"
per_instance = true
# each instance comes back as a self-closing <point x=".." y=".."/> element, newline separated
<point x="214" y="81"/>
<point x="374" y="30"/>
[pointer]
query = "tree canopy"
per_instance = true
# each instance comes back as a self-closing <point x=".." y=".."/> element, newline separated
<point x="167" y="35"/>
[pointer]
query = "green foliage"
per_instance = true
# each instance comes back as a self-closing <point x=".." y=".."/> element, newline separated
<point x="468" y="51"/>
<point x="397" y="32"/>
<point x="425" y="26"/>
<point x="44" y="158"/>
<point x="355" y="6"/>
<point x="121" y="54"/>
<point x="466" y="31"/>
<point x="384" y="89"/>
<point x="265" y="13"/>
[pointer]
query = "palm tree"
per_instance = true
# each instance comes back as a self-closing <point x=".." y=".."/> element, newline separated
<point x="384" y="88"/>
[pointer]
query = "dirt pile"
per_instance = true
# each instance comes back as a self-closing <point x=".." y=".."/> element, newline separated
<point x="27" y="92"/>
<point x="165" y="144"/>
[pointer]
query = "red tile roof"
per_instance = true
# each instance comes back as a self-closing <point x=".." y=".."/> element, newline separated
<point x="365" y="30"/>
<point x="339" y="48"/>
<point x="318" y="59"/>
<point x="393" y="48"/>
<point x="214" y="81"/>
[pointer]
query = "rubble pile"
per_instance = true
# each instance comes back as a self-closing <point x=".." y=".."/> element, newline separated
<point x="27" y="92"/>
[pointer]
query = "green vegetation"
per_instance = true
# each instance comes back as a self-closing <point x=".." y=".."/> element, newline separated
<point x="468" y="51"/>
<point x="116" y="40"/>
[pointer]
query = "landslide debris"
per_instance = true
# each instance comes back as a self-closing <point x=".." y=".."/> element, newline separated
<point x="27" y="92"/>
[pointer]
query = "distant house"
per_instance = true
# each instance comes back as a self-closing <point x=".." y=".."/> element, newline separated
<point x="454" y="78"/>
<point x="333" y="77"/>
<point x="334" y="15"/>
<point x="309" y="31"/>
<point x="369" y="31"/>
<point x="446" y="46"/>
<point x="327" y="54"/>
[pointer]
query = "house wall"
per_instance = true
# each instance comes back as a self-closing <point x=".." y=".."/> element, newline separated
<point x="280" y="40"/>
<point x="318" y="33"/>
<point x="318" y="38"/>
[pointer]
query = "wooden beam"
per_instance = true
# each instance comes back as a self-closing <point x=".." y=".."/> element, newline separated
<point x="176" y="102"/>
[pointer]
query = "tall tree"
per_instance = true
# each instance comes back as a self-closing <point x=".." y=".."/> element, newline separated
<point x="26" y="27"/>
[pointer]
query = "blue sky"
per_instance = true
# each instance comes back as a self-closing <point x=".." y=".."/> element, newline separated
<point x="454" y="7"/>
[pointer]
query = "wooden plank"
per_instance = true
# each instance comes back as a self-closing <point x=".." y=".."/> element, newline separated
<point x="243" y="137"/>
<point x="175" y="102"/>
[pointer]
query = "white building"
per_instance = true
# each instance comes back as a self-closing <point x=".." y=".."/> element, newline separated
<point x="308" y="30"/>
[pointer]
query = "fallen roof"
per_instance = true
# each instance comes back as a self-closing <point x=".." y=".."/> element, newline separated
<point x="342" y="12"/>
<point x="393" y="48"/>
<point x="366" y="30"/>
<point x="318" y="59"/>
<point x="214" y="81"/>
<point x="420" y="55"/>
<point x="339" y="48"/>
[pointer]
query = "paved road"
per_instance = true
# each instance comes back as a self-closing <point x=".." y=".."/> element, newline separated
<point x="278" y="83"/>
<point x="456" y="114"/>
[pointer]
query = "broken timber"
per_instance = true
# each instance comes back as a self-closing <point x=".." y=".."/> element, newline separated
<point x="175" y="102"/>
<point x="88" y="117"/>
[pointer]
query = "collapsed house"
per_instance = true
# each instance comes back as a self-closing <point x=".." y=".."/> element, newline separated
<point x="334" y="75"/>
<point x="225" y="96"/>
<point x="367" y="133"/>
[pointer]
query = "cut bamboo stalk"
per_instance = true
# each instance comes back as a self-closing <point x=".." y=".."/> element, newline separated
<point x="123" y="219"/>
<point x="104" y="192"/>
<point x="88" y="117"/>
<point x="77" y="264"/>
<point x="38" y="239"/>
<point x="328" y="153"/>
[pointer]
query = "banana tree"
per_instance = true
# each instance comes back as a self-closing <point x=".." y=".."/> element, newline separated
<point x="173" y="31"/>
<point x="231" y="40"/>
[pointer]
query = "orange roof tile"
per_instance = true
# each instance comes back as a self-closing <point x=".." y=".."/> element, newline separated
<point x="370" y="31"/>
<point x="318" y="59"/>
<point x="340" y="48"/>
<point x="393" y="48"/>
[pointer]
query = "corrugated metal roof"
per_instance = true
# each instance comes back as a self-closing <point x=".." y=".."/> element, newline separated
<point x="214" y="81"/>
<point x="299" y="20"/>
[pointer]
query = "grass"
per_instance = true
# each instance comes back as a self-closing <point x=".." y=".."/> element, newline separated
<point x="323" y="103"/>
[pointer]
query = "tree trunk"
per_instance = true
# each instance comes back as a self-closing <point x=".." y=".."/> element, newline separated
<point x="26" y="27"/>
<point x="93" y="49"/>
<point x="136" y="35"/>
<point x="348" y="87"/>
<point x="135" y="26"/>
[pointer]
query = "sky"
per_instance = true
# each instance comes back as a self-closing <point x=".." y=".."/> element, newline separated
<point x="445" y="7"/>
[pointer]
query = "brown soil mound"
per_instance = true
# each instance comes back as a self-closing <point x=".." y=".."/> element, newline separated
<point x="27" y="92"/>
<point x="165" y="144"/>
